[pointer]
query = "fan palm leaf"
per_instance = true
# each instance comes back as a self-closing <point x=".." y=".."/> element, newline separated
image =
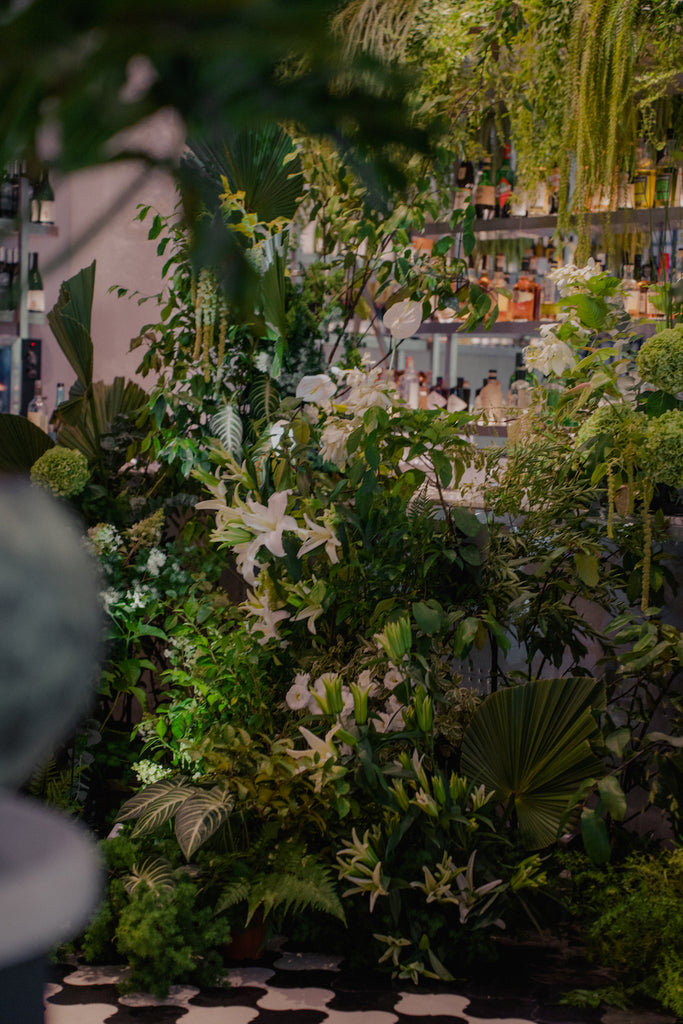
<point x="530" y="744"/>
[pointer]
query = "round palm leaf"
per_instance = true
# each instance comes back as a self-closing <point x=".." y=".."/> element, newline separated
<point x="530" y="744"/>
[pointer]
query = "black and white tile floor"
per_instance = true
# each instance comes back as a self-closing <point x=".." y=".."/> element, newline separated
<point x="295" y="988"/>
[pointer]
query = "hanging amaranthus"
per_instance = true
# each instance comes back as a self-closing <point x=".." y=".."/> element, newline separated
<point x="205" y="317"/>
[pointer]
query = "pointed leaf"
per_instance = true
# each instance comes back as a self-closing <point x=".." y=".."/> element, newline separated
<point x="155" y="804"/>
<point x="530" y="744"/>
<point x="200" y="816"/>
<point x="69" y="320"/>
<point x="21" y="443"/>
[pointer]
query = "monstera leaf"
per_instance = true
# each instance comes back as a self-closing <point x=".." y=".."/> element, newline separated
<point x="531" y="745"/>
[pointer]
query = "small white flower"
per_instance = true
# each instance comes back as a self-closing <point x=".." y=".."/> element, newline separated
<point x="298" y="695"/>
<point x="109" y="598"/>
<point x="155" y="562"/>
<point x="333" y="438"/>
<point x="392" y="677"/>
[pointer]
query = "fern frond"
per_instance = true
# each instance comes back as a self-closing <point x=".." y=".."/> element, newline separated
<point x="421" y="507"/>
<point x="308" y="886"/>
<point x="233" y="894"/>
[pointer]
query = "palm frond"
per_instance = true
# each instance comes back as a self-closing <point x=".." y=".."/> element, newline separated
<point x="155" y="872"/>
<point x="380" y="27"/>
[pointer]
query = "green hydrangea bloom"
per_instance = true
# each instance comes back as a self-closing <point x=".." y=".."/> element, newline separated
<point x="63" y="471"/>
<point x="662" y="454"/>
<point x="620" y="422"/>
<point x="660" y="360"/>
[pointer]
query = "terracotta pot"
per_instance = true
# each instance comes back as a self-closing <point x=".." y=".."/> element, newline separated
<point x="247" y="944"/>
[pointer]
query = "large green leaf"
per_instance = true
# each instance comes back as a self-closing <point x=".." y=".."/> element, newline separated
<point x="156" y="804"/>
<point x="263" y="163"/>
<point x="531" y="745"/>
<point x="200" y="816"/>
<point x="77" y="428"/>
<point x="70" y="319"/>
<point x="21" y="443"/>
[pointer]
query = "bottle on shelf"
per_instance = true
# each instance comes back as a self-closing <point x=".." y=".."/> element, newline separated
<point x="501" y="287"/>
<point x="657" y="291"/>
<point x="554" y="189"/>
<point x="35" y="300"/>
<point x="631" y="291"/>
<point x="464" y="184"/>
<point x="37" y="409"/>
<point x="43" y="201"/>
<point x="489" y="397"/>
<point x="485" y="193"/>
<point x="7" y="208"/>
<point x="5" y="280"/>
<point x="505" y="183"/>
<point x="14" y="275"/>
<point x="549" y="295"/>
<point x="643" y="180"/>
<point x="410" y="384"/>
<point x="665" y="175"/>
<point x="519" y="389"/>
<point x="643" y="286"/>
<point x="538" y="200"/>
<point x="526" y="295"/>
<point x="59" y="399"/>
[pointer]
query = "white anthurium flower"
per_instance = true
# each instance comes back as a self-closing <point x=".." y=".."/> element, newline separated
<point x="316" y="534"/>
<point x="270" y="521"/>
<point x="267" y="618"/>
<point x="549" y="355"/>
<point x="317" y="388"/>
<point x="403" y="318"/>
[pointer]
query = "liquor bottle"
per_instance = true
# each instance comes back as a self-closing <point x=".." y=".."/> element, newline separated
<point x="664" y="177"/>
<point x="5" y="280"/>
<point x="59" y="399"/>
<point x="501" y="287"/>
<point x="526" y="295"/>
<point x="37" y="410"/>
<point x="485" y="193"/>
<point x="625" y="191"/>
<point x="43" y="201"/>
<point x="464" y="184"/>
<point x="554" y="189"/>
<point x="489" y="398"/>
<point x="631" y="292"/>
<point x="14" y="283"/>
<point x="6" y="194"/>
<point x="505" y="183"/>
<point x="643" y="180"/>
<point x="657" y="290"/>
<point x="519" y="389"/>
<point x="410" y="385"/>
<point x="35" y="300"/>
<point x="484" y="281"/>
<point x="538" y="200"/>
<point x="549" y="296"/>
<point x="643" y="288"/>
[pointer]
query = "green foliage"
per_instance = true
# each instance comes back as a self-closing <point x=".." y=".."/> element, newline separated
<point x="21" y="443"/>
<point x="631" y="916"/>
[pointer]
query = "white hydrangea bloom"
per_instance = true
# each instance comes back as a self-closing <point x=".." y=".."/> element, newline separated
<point x="155" y="561"/>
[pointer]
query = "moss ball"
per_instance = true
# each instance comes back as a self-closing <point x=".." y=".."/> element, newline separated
<point x="660" y="360"/>
<point x="63" y="471"/>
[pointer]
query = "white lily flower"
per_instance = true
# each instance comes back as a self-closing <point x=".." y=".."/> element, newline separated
<point x="267" y="618"/>
<point x="270" y="521"/>
<point x="317" y="534"/>
<point x="298" y="694"/>
<point x="320" y="750"/>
